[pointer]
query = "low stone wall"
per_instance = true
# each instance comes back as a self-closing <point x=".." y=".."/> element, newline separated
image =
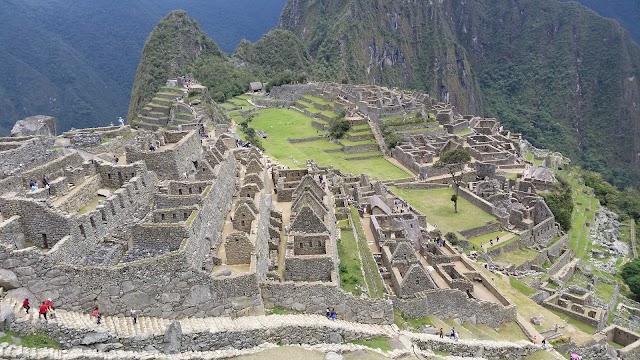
<point x="449" y="303"/>
<point x="315" y="298"/>
<point x="238" y="337"/>
<point x="510" y="247"/>
<point x="560" y="263"/>
<point x="475" y="348"/>
<point x="420" y="186"/>
<point x="300" y="140"/>
<point x="481" y="230"/>
<point x="350" y="149"/>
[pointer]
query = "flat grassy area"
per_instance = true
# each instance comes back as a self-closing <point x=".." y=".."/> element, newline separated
<point x="522" y="287"/>
<point x="485" y="239"/>
<point x="507" y="332"/>
<point x="38" y="341"/>
<point x="381" y="343"/>
<point x="281" y="311"/>
<point x="280" y="124"/>
<point x="575" y="323"/>
<point x="316" y="100"/>
<point x="351" y="279"/>
<point x="372" y="275"/>
<point x="436" y="205"/>
<point x="517" y="257"/>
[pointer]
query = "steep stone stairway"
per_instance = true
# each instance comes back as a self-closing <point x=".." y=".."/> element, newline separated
<point x="124" y="327"/>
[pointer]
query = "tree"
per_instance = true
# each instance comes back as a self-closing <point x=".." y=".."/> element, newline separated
<point x="454" y="161"/>
<point x="631" y="275"/>
<point x="338" y="126"/>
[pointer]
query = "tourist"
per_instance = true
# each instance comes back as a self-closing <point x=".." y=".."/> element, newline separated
<point x="115" y="159"/>
<point x="33" y="186"/>
<point x="134" y="316"/>
<point x="456" y="335"/>
<point x="497" y="239"/>
<point x="544" y="343"/>
<point x="43" y="311"/>
<point x="25" y="305"/>
<point x="491" y="242"/>
<point x="52" y="313"/>
<point x="441" y="333"/>
<point x="96" y="314"/>
<point x="49" y="304"/>
<point x="333" y="314"/>
<point x="328" y="313"/>
<point x="453" y="333"/>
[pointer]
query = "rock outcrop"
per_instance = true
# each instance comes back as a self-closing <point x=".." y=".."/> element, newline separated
<point x="39" y="125"/>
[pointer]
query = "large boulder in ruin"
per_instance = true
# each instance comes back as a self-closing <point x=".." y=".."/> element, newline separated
<point x="39" y="125"/>
<point x="173" y="338"/>
<point x="8" y="279"/>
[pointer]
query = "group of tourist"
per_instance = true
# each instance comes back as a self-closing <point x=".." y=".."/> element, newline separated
<point x="439" y="241"/>
<point x="33" y="185"/>
<point x="454" y="335"/>
<point x="401" y="206"/>
<point x="46" y="308"/>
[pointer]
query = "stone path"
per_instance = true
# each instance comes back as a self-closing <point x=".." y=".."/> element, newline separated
<point x="124" y="327"/>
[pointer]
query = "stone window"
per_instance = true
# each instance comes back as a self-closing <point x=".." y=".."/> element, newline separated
<point x="301" y="245"/>
<point x="185" y="216"/>
<point x="104" y="216"/>
<point x="109" y="176"/>
<point x="93" y="223"/>
<point x="84" y="235"/>
<point x="132" y="175"/>
<point x="179" y="191"/>
<point x="190" y="191"/>
<point x="44" y="241"/>
<point x="174" y="216"/>
<point x="199" y="189"/>
<point x="162" y="216"/>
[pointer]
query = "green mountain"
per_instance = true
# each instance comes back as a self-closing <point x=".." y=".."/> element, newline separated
<point x="564" y="76"/>
<point x="78" y="62"/>
<point x="174" y="43"/>
<point x="626" y="12"/>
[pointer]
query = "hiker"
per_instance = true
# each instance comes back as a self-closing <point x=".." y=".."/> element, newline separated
<point x="453" y="333"/>
<point x="497" y="239"/>
<point x="43" y="311"/>
<point x="25" y="305"/>
<point x="96" y="314"/>
<point x="115" y="159"/>
<point x="52" y="313"/>
<point x="328" y="313"/>
<point x="441" y="333"/>
<point x="49" y="304"/>
<point x="457" y="336"/>
<point x="491" y="242"/>
<point x="333" y="314"/>
<point x="544" y="343"/>
<point x="134" y="316"/>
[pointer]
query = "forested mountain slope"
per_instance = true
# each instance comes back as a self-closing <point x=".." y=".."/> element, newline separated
<point x="564" y="76"/>
<point x="626" y="12"/>
<point x="77" y="60"/>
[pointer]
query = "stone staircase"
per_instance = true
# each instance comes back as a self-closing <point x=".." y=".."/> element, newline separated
<point x="121" y="326"/>
<point x="157" y="113"/>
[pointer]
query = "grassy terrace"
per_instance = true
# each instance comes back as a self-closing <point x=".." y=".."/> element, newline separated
<point x="517" y="257"/>
<point x="486" y="239"/>
<point x="317" y="100"/>
<point x="281" y="124"/>
<point x="351" y="276"/>
<point x="372" y="275"/>
<point x="437" y="206"/>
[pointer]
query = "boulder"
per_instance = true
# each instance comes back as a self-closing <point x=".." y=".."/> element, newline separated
<point x="536" y="320"/>
<point x="222" y="272"/>
<point x="8" y="280"/>
<point x="335" y="338"/>
<point x="6" y="316"/>
<point x="173" y="338"/>
<point x="94" y="338"/>
<point x="108" y="347"/>
<point x="20" y="294"/>
<point x="104" y="192"/>
<point x="333" y="356"/>
<point x="39" y="125"/>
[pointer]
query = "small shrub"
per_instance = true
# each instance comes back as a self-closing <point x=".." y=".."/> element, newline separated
<point x="452" y="238"/>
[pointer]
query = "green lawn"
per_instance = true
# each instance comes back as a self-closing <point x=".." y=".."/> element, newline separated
<point x="381" y="343"/>
<point x="280" y="124"/>
<point x="517" y="257"/>
<point x="522" y="287"/>
<point x="436" y="205"/>
<point x="317" y="100"/>
<point x="372" y="275"/>
<point x="351" y="278"/>
<point x="485" y="239"/>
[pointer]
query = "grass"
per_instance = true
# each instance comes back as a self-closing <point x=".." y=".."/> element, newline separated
<point x="575" y="323"/>
<point x="317" y="100"/>
<point x="522" y="287"/>
<point x="36" y="341"/>
<point x="464" y="132"/>
<point x="436" y="205"/>
<point x="281" y="311"/>
<point x="280" y="124"/>
<point x="485" y="239"/>
<point x="372" y="275"/>
<point x="351" y="278"/>
<point x="604" y="291"/>
<point x="517" y="257"/>
<point x="380" y="342"/>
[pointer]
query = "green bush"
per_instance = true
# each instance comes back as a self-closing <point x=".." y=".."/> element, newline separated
<point x="561" y="204"/>
<point x="338" y="126"/>
<point x="631" y="275"/>
<point x="451" y="238"/>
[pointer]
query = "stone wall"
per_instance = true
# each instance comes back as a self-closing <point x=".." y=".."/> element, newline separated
<point x="561" y="262"/>
<point x="449" y="303"/>
<point x="82" y="195"/>
<point x="481" y="230"/>
<point x="315" y="298"/>
<point x="29" y="154"/>
<point x="309" y="268"/>
<point x="475" y="349"/>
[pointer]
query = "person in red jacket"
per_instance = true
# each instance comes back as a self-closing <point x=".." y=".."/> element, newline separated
<point x="43" y="311"/>
<point x="49" y="304"/>
<point x="25" y="305"/>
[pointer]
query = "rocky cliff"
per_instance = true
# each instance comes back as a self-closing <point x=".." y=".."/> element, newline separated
<point x="564" y="76"/>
